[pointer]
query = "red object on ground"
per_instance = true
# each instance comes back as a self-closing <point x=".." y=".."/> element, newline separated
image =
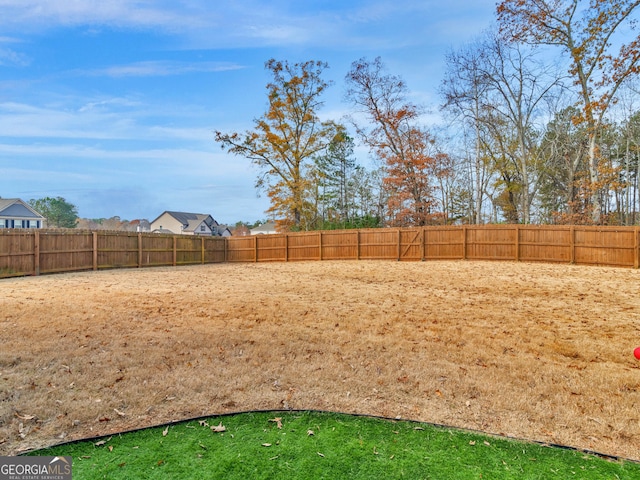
<point x="636" y="353"/>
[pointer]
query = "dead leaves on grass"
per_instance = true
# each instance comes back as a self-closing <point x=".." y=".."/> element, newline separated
<point x="218" y="428"/>
<point x="102" y="442"/>
<point x="277" y="421"/>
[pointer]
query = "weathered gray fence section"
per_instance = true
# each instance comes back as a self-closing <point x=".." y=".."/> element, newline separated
<point x="32" y="252"/>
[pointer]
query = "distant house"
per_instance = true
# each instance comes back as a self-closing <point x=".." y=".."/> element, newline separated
<point x="189" y="224"/>
<point x="14" y="213"/>
<point x="266" y="228"/>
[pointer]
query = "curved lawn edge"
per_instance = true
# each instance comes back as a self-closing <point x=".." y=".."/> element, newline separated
<point x="96" y="439"/>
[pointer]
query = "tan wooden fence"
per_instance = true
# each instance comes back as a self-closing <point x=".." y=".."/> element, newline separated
<point x="32" y="252"/>
<point x="614" y="246"/>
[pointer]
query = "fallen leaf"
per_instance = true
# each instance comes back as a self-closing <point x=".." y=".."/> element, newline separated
<point x="487" y="443"/>
<point x="320" y="454"/>
<point x="111" y="448"/>
<point x="310" y="433"/>
<point x="266" y="444"/>
<point x="165" y="431"/>
<point x="25" y="417"/>
<point x="102" y="442"/>
<point x="119" y="412"/>
<point x="472" y="442"/>
<point x="219" y="428"/>
<point x="277" y="420"/>
<point x="203" y="423"/>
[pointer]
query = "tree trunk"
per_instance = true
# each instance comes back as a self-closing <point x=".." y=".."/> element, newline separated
<point x="594" y="177"/>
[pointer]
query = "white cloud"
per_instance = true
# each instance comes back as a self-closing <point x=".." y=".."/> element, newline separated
<point x="160" y="68"/>
<point x="108" y="119"/>
<point x="11" y="57"/>
<point x="205" y="24"/>
<point x="36" y="14"/>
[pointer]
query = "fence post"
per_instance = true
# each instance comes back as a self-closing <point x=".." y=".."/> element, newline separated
<point x="36" y="252"/>
<point x="358" y="244"/>
<point x="286" y="247"/>
<point x="320" y="244"/>
<point x="255" y="248"/>
<point x="423" y="245"/>
<point x="572" y="232"/>
<point x="517" y="243"/>
<point x="95" y="250"/>
<point x="202" y="249"/>
<point x="139" y="250"/>
<point x="464" y="242"/>
<point x="636" y="261"/>
<point x="175" y="251"/>
<point x="399" y="245"/>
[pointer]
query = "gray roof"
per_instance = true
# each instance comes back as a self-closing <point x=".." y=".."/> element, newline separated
<point x="264" y="228"/>
<point x="189" y="218"/>
<point x="191" y="221"/>
<point x="17" y="208"/>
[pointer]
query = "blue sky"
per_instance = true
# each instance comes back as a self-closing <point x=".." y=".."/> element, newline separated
<point x="112" y="104"/>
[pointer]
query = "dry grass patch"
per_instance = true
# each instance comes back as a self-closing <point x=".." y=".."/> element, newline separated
<point x="529" y="350"/>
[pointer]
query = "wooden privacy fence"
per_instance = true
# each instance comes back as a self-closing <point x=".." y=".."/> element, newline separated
<point x="614" y="246"/>
<point x="32" y="252"/>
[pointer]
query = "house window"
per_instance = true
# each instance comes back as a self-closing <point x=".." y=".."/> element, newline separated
<point x="33" y="224"/>
<point x="202" y="228"/>
<point x="3" y="223"/>
<point x="17" y="224"/>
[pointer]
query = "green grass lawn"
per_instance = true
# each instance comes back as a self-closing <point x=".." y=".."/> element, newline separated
<point x="288" y="445"/>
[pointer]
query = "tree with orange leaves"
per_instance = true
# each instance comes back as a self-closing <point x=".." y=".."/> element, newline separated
<point x="586" y="32"/>
<point x="407" y="149"/>
<point x="287" y="138"/>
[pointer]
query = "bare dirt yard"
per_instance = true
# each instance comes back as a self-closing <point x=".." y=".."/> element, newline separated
<point x="534" y="351"/>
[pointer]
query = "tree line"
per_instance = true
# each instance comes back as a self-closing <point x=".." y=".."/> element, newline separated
<point x="542" y="126"/>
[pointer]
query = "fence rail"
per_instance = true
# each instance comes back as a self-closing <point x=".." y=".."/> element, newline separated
<point x="33" y="252"/>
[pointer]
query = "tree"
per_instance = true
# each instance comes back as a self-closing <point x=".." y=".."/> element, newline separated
<point x="501" y="88"/>
<point x="286" y="138"/>
<point x="464" y="91"/>
<point x="58" y="212"/>
<point x="586" y="34"/>
<point x="406" y="148"/>
<point x="335" y="168"/>
<point x="563" y="191"/>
